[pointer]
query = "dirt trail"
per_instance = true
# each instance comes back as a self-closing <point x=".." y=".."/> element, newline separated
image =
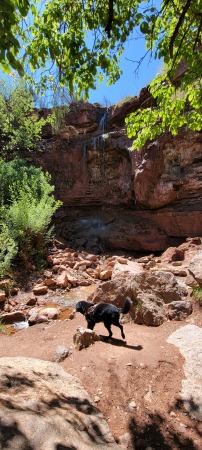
<point x="137" y="384"/>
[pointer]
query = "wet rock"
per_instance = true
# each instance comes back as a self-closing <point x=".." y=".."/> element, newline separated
<point x="37" y="315"/>
<point x="15" y="316"/>
<point x="35" y="318"/>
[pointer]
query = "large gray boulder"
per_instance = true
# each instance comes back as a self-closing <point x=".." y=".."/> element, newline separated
<point x="45" y="408"/>
<point x="151" y="292"/>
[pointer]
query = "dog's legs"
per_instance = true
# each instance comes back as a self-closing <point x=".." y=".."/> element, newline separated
<point x="108" y="327"/>
<point x="117" y="324"/>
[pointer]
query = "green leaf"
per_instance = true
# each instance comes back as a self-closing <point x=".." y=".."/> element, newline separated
<point x="5" y="67"/>
<point x="144" y="27"/>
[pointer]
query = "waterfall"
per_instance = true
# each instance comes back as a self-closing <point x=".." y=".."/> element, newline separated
<point x="103" y="121"/>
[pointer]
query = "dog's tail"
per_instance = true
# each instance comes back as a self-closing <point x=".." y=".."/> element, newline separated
<point x="126" y="306"/>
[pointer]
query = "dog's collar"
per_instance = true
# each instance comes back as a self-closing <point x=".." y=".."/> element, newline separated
<point x="91" y="309"/>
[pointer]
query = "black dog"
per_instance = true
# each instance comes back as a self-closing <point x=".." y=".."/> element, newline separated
<point x="103" y="312"/>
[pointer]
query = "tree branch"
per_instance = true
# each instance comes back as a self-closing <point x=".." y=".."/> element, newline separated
<point x="108" y="27"/>
<point x="179" y="24"/>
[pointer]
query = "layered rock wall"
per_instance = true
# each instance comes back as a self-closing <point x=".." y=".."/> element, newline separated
<point x="118" y="198"/>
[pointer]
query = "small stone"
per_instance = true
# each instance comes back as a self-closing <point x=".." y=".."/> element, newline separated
<point x="181" y="428"/>
<point x="2" y="296"/>
<point x="40" y="290"/>
<point x="172" y="414"/>
<point x="132" y="405"/>
<point x="61" y="353"/>
<point x="125" y="440"/>
<point x="96" y="399"/>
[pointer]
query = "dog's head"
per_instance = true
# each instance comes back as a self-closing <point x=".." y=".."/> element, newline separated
<point x="82" y="306"/>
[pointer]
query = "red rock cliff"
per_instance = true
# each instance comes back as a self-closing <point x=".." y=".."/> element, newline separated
<point x="117" y="198"/>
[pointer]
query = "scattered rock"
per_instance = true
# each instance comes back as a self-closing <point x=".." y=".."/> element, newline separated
<point x="40" y="290"/>
<point x="62" y="280"/>
<point x="179" y="310"/>
<point x="15" y="316"/>
<point x="2" y="296"/>
<point x="84" y="338"/>
<point x="31" y="301"/>
<point x="61" y="353"/>
<point x="132" y="405"/>
<point x="50" y="313"/>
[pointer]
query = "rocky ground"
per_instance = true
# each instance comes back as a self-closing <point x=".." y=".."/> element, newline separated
<point x="138" y="383"/>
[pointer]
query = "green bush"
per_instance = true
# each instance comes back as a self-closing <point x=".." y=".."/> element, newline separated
<point x="26" y="211"/>
<point x="8" y="250"/>
<point x="197" y="294"/>
<point x="20" y="125"/>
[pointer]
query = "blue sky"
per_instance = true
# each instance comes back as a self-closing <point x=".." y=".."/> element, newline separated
<point x="130" y="82"/>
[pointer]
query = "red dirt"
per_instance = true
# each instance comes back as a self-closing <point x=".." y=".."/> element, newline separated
<point x="144" y="370"/>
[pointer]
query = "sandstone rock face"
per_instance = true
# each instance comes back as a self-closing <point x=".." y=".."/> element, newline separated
<point x="43" y="407"/>
<point x="117" y="198"/>
<point x="156" y="295"/>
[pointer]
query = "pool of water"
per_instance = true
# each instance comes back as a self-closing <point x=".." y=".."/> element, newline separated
<point x="73" y="296"/>
<point x="66" y="302"/>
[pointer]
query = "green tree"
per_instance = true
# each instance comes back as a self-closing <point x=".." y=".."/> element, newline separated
<point x="20" y="126"/>
<point x="84" y="39"/>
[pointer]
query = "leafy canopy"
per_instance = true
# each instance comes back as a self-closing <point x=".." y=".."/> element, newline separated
<point x="84" y="39"/>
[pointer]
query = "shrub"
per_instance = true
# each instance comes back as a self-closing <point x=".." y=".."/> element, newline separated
<point x="8" y="250"/>
<point x="20" y="126"/>
<point x="197" y="294"/>
<point x="26" y="211"/>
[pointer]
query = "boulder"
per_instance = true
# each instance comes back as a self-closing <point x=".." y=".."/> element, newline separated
<point x="149" y="310"/>
<point x="179" y="310"/>
<point x="151" y="292"/>
<point x="15" y="316"/>
<point x="43" y="314"/>
<point x="195" y="266"/>
<point x="43" y="407"/>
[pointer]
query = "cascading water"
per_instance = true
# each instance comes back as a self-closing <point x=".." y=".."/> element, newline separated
<point x="103" y="121"/>
<point x="97" y="142"/>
